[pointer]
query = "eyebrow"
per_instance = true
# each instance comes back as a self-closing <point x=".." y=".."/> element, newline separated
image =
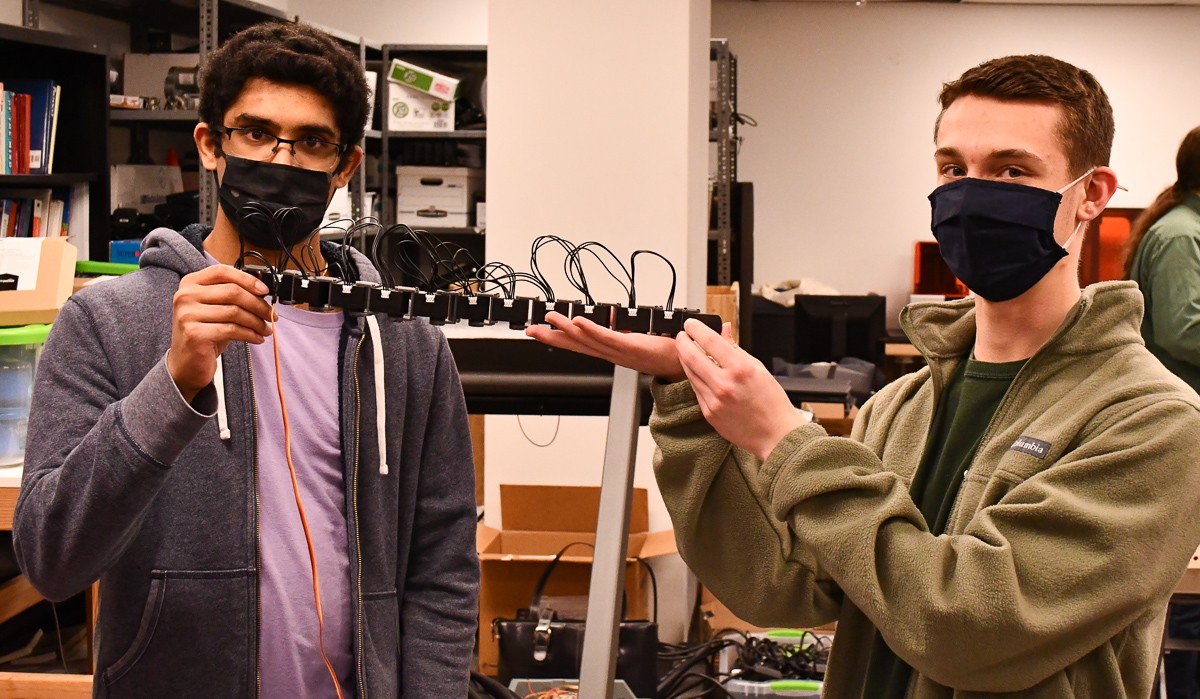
<point x="1004" y="154"/>
<point x="254" y="119"/>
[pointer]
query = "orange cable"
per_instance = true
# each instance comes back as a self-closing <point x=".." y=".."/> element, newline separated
<point x="312" y="554"/>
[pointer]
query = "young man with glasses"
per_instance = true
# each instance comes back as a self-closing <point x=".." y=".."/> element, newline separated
<point x="161" y="459"/>
<point x="1009" y="521"/>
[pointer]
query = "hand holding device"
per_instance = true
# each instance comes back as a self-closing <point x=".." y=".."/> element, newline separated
<point x="212" y="308"/>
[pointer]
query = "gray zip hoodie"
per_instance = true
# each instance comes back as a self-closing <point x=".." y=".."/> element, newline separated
<point x="126" y="483"/>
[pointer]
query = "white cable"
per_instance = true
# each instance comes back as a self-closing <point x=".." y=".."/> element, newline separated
<point x="380" y="396"/>
<point x="222" y="415"/>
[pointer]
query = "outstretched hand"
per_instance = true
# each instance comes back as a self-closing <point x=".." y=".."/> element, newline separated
<point x="647" y="354"/>
<point x="737" y="395"/>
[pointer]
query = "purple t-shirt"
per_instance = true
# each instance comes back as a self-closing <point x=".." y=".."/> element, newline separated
<point x="289" y="658"/>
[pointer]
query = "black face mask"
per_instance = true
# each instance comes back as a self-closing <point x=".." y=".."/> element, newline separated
<point x="273" y="206"/>
<point x="998" y="237"/>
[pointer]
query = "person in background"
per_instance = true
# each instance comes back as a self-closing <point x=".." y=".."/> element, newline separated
<point x="158" y="455"/>
<point x="1163" y="257"/>
<point x="1009" y="521"/>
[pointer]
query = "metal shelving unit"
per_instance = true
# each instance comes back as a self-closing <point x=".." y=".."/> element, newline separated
<point x="725" y="135"/>
<point x="454" y="60"/>
<point x="210" y="22"/>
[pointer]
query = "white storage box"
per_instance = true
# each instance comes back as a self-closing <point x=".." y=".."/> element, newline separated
<point x="412" y="110"/>
<point x="439" y="197"/>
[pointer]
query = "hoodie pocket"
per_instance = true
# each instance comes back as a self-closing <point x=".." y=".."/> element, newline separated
<point x="195" y="632"/>
<point x="381" y="643"/>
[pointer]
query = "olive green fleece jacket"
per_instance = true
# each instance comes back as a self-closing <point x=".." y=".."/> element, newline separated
<point x="1074" y="522"/>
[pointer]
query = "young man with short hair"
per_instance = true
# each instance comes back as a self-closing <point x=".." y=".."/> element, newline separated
<point x="161" y="459"/>
<point x="1010" y="520"/>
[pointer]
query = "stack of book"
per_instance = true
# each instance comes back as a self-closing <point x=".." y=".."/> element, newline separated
<point x="35" y="213"/>
<point x="28" y="126"/>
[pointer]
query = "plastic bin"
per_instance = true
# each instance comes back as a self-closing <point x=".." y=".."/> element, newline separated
<point x="777" y="688"/>
<point x="19" y="349"/>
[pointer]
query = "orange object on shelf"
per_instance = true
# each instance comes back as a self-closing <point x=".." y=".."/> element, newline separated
<point x="931" y="275"/>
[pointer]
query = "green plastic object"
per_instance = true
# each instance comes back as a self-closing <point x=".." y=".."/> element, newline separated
<point x="787" y="633"/>
<point x="113" y="268"/>
<point x="795" y="686"/>
<point x="24" y="335"/>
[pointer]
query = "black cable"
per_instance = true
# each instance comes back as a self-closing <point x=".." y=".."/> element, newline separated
<point x="698" y="679"/>
<point x="587" y="247"/>
<point x="633" y="283"/>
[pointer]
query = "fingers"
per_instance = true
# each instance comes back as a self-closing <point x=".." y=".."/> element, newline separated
<point x="714" y="345"/>
<point x="223" y="333"/>
<point x="222" y="274"/>
<point x="230" y="295"/>
<point x="225" y="313"/>
<point x="561" y="340"/>
<point x="696" y="362"/>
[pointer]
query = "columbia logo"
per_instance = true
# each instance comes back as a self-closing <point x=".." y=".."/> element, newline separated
<point x="1031" y="446"/>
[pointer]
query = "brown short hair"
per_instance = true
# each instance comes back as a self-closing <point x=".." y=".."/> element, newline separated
<point x="1086" y="128"/>
<point x="290" y="53"/>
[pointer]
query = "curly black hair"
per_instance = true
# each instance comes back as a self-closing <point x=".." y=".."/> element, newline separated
<point x="291" y="53"/>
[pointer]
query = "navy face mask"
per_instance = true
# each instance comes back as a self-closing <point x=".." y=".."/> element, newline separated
<point x="273" y="206"/>
<point x="998" y="237"/>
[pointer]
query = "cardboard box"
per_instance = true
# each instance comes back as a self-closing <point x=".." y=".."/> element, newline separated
<point x="142" y="187"/>
<point x="146" y="73"/>
<point x="54" y="262"/>
<point x="538" y="522"/>
<point x="437" y="196"/>
<point x="412" y="110"/>
<point x="423" y="80"/>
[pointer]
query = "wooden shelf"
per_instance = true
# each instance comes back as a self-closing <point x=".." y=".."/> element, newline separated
<point x="479" y="133"/>
<point x="151" y="116"/>
<point x="46" y="180"/>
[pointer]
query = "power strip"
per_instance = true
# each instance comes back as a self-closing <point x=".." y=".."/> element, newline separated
<point x="291" y="287"/>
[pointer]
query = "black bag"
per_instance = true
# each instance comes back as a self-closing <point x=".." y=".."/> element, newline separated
<point x="539" y="646"/>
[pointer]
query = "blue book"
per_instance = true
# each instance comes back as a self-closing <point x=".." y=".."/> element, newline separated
<point x="41" y="120"/>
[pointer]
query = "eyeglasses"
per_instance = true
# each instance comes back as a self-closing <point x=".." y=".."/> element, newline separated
<point x="255" y="143"/>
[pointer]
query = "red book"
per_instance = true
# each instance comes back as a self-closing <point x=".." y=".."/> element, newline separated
<point x="26" y="102"/>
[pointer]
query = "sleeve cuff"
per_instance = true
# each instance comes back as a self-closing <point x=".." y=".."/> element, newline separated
<point x="785" y="452"/>
<point x="157" y="418"/>
<point x="672" y="396"/>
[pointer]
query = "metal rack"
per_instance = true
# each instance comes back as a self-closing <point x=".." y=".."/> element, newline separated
<point x="725" y="135"/>
<point x="216" y="19"/>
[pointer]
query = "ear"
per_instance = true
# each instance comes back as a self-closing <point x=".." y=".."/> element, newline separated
<point x="206" y="144"/>
<point x="352" y="160"/>
<point x="1101" y="186"/>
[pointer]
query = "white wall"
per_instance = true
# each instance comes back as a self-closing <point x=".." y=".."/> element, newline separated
<point x="597" y="130"/>
<point x="408" y="22"/>
<point x="846" y="97"/>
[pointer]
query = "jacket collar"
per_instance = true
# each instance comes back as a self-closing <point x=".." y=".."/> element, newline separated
<point x="1108" y="314"/>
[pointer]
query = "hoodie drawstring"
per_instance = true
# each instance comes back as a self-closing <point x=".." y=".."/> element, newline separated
<point x="222" y="414"/>
<point x="380" y="406"/>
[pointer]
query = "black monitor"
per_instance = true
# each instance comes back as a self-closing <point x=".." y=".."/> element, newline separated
<point x="831" y="328"/>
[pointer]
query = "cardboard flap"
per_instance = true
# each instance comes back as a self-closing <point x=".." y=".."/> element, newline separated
<point x="659" y="544"/>
<point x="563" y="508"/>
<point x="485" y="537"/>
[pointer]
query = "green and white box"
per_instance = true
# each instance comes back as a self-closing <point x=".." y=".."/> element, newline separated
<point x="423" y="79"/>
<point x="413" y="110"/>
